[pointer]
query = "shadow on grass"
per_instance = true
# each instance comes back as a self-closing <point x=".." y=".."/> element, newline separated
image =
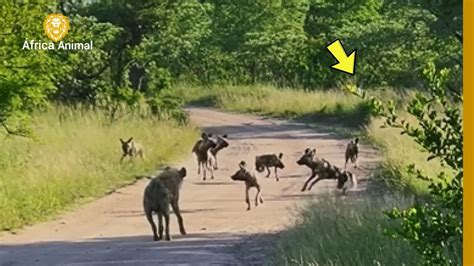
<point x="338" y="121"/>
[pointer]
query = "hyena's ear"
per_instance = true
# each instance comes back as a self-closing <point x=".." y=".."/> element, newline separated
<point x="130" y="139"/>
<point x="182" y="172"/>
<point x="280" y="155"/>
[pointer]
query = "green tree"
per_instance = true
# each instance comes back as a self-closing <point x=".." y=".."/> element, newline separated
<point x="434" y="226"/>
<point x="26" y="76"/>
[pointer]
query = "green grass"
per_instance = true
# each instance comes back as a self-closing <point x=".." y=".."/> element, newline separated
<point x="342" y="113"/>
<point x="398" y="151"/>
<point x="74" y="157"/>
<point x="336" y="231"/>
<point x="323" y="106"/>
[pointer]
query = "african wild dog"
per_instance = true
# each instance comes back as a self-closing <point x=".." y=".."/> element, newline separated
<point x="131" y="148"/>
<point x="352" y="152"/>
<point x="250" y="181"/>
<point x="161" y="192"/>
<point x="267" y="161"/>
<point x="221" y="143"/>
<point x="322" y="169"/>
<point x="201" y="148"/>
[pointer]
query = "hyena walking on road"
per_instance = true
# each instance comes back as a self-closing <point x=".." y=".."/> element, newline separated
<point x="161" y="192"/>
<point x="267" y="161"/>
<point x="322" y="169"/>
<point x="131" y="148"/>
<point x="250" y="181"/>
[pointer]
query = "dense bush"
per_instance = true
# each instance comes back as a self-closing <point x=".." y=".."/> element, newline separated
<point x="433" y="226"/>
<point x="142" y="47"/>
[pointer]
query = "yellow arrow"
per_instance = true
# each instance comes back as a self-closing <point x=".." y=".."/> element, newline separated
<point x="346" y="63"/>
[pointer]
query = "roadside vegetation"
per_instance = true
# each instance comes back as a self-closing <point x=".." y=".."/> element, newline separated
<point x="335" y="231"/>
<point x="129" y="85"/>
<point x="74" y="156"/>
<point x="333" y="110"/>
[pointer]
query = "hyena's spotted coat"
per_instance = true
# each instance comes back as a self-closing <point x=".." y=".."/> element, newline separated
<point x="161" y="192"/>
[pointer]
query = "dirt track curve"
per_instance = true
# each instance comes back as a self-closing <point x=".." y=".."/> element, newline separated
<point x="113" y="230"/>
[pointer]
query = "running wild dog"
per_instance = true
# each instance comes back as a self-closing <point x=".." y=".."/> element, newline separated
<point x="352" y="152"/>
<point x="267" y="161"/>
<point x="201" y="148"/>
<point x="131" y="148"/>
<point x="161" y="192"/>
<point x="250" y="181"/>
<point x="221" y="143"/>
<point x="322" y="169"/>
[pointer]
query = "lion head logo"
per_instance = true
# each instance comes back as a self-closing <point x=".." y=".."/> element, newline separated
<point x="56" y="26"/>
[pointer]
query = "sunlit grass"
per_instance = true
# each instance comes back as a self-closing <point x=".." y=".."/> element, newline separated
<point x="74" y="157"/>
<point x="323" y="106"/>
<point x="344" y="231"/>
<point x="343" y="111"/>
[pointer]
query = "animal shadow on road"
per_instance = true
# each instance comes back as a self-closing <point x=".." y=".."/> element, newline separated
<point x="274" y="131"/>
<point x="202" y="249"/>
<point x="212" y="183"/>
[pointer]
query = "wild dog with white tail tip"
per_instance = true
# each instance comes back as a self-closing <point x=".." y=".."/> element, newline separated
<point x="250" y="181"/>
<point x="322" y="169"/>
<point x="201" y="148"/>
<point x="221" y="143"/>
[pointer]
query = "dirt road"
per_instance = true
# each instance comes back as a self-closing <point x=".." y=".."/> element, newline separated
<point x="113" y="230"/>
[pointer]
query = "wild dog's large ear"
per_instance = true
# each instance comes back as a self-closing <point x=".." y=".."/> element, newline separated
<point x="121" y="140"/>
<point x="280" y="155"/>
<point x="313" y="152"/>
<point x="130" y="139"/>
<point x="209" y="135"/>
<point x="242" y="165"/>
<point x="224" y="136"/>
<point x="307" y="150"/>
<point x="356" y="140"/>
<point x="182" y="172"/>
<point x="203" y="135"/>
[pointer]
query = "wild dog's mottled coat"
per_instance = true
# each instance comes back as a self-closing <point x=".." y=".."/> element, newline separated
<point x="131" y="148"/>
<point x="322" y="169"/>
<point x="161" y="192"/>
<point x="201" y="148"/>
<point x="221" y="143"/>
<point x="250" y="181"/>
<point x="352" y="152"/>
<point x="267" y="161"/>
